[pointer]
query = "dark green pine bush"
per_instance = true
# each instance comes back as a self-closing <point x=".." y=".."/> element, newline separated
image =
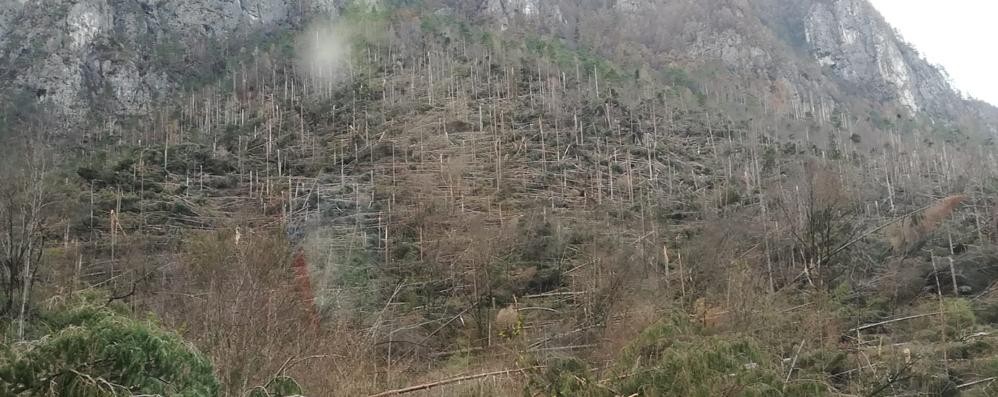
<point x="88" y="348"/>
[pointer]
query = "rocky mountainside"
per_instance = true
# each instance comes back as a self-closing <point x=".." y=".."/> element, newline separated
<point x="837" y="48"/>
<point x="116" y="58"/>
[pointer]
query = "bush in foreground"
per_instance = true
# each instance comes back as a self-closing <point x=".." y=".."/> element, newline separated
<point x="88" y="348"/>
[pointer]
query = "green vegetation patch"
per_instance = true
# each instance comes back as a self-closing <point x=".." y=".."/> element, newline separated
<point x="86" y="347"/>
<point x="672" y="358"/>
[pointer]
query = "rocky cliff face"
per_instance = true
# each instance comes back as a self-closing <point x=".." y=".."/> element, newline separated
<point x="115" y="56"/>
<point x="507" y="12"/>
<point x="851" y="39"/>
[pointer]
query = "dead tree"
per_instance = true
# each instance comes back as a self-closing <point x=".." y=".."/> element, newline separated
<point x="23" y="202"/>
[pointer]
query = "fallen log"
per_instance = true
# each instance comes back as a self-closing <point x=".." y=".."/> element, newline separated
<point x="431" y="385"/>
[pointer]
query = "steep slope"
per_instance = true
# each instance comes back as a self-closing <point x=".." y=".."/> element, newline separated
<point x="841" y="50"/>
<point x="672" y="197"/>
<point x="116" y="58"/>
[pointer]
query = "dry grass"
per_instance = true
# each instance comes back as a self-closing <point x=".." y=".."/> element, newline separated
<point x="240" y="304"/>
<point x="909" y="235"/>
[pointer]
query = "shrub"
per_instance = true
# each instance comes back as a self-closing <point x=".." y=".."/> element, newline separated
<point x="958" y="315"/>
<point x="564" y="378"/>
<point x="711" y="366"/>
<point x="94" y="349"/>
<point x="672" y="358"/>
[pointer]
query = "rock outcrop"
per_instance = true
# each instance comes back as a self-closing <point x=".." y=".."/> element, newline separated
<point x="115" y="56"/>
<point x="507" y="12"/>
<point x="851" y="39"/>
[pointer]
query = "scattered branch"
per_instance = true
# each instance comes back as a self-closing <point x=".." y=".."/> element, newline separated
<point x="431" y="385"/>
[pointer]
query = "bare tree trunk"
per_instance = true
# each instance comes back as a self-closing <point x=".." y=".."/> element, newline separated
<point x="22" y="202"/>
<point x="25" y="288"/>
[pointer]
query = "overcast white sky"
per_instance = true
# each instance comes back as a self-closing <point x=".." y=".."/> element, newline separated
<point x="957" y="34"/>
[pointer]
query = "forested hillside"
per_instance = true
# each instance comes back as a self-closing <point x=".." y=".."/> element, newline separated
<point x="567" y="198"/>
